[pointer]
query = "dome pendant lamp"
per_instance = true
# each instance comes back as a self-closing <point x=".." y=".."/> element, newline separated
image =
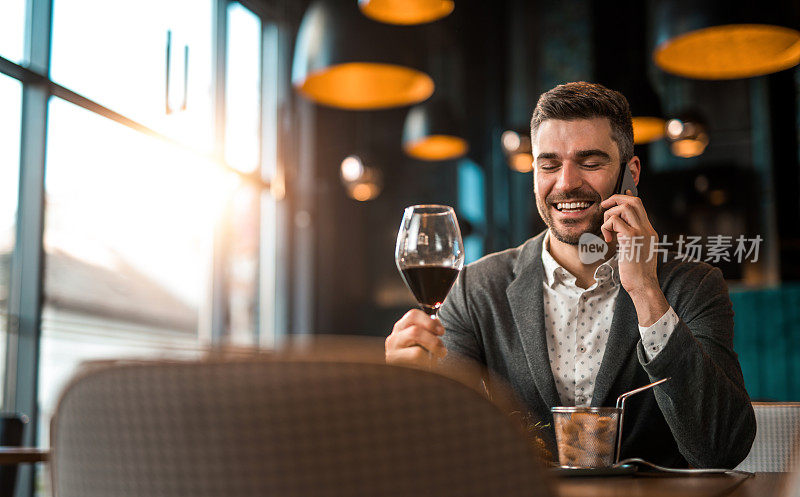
<point x="347" y="61"/>
<point x="715" y="41"/>
<point x="647" y="129"/>
<point x="432" y="133"/>
<point x="406" y="12"/>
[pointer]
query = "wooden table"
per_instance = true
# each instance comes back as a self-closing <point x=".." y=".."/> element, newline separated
<point x="20" y="455"/>
<point x="656" y="485"/>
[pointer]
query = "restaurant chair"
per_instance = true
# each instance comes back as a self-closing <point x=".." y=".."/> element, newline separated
<point x="284" y="428"/>
<point x="791" y="484"/>
<point x="774" y="448"/>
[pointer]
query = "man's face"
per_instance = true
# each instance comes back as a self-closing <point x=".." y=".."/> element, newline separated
<point x="575" y="167"/>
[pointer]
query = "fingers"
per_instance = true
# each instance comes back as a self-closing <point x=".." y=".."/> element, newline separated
<point x="414" y="335"/>
<point x="414" y="338"/>
<point x="416" y="317"/>
<point x="618" y="199"/>
<point x="631" y="217"/>
<point x="613" y="225"/>
<point x="628" y="214"/>
<point x="629" y="242"/>
<point x="411" y="356"/>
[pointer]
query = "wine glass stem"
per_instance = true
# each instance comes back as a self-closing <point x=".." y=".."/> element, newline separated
<point x="432" y="311"/>
<point x="434" y="315"/>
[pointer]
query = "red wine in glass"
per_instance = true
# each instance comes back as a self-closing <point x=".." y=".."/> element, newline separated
<point x="429" y="284"/>
<point x="429" y="253"/>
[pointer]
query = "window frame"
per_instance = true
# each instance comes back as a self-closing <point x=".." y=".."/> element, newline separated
<point x="25" y="291"/>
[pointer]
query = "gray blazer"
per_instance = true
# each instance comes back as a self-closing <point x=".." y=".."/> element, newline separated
<point x="702" y="417"/>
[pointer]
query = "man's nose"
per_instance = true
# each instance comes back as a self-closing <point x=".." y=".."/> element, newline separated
<point x="569" y="177"/>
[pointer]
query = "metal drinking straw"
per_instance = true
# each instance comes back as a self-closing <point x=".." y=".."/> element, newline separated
<point x="621" y="407"/>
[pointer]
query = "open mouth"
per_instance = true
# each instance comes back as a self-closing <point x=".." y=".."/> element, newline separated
<point x="573" y="207"/>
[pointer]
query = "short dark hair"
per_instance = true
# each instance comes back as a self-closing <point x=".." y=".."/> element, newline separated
<point x="582" y="100"/>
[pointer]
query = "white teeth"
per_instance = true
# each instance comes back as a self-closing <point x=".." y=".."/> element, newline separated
<point x="572" y="205"/>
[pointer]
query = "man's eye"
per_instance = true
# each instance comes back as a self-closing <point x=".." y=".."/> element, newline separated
<point x="591" y="165"/>
<point x="548" y="167"/>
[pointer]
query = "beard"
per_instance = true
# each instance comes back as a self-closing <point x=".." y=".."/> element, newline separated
<point x="572" y="237"/>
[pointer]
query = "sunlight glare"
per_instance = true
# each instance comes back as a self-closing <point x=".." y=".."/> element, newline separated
<point x="242" y="96"/>
<point x="115" y="195"/>
<point x="12" y="29"/>
<point x="10" y="102"/>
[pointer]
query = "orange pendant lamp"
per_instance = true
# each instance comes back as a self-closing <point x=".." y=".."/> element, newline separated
<point x="647" y="129"/>
<point x="347" y="61"/>
<point x="432" y="133"/>
<point x="406" y="12"/>
<point x="718" y="41"/>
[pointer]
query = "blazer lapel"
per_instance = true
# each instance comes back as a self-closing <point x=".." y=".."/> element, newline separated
<point x="527" y="306"/>
<point x="624" y="335"/>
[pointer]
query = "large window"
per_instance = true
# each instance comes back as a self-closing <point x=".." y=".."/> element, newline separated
<point x="153" y="241"/>
<point x="12" y="29"/>
<point x="149" y="60"/>
<point x="135" y="226"/>
<point x="128" y="244"/>
<point x="128" y="247"/>
<point x="10" y="100"/>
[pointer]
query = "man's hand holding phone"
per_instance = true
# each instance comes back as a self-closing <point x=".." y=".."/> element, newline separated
<point x="626" y="224"/>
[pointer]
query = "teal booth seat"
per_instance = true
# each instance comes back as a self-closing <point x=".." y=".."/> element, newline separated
<point x="767" y="339"/>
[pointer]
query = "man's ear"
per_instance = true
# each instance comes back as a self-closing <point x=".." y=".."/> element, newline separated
<point x="635" y="166"/>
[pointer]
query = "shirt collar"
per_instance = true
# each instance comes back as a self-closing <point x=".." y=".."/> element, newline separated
<point x="554" y="273"/>
<point x="551" y="267"/>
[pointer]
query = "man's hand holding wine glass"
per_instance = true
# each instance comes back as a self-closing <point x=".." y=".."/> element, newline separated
<point x="429" y="255"/>
<point x="415" y="339"/>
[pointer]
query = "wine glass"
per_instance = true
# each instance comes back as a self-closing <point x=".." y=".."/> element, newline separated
<point x="429" y="253"/>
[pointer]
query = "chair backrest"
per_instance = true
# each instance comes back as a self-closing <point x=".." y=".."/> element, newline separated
<point x="791" y="484"/>
<point x="774" y="448"/>
<point x="283" y="428"/>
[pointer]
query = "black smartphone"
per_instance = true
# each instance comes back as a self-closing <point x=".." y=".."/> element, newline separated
<point x="625" y="181"/>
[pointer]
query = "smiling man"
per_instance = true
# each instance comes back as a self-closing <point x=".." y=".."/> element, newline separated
<point x="565" y="333"/>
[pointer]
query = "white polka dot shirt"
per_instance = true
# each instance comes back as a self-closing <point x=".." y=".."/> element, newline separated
<point x="578" y="323"/>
